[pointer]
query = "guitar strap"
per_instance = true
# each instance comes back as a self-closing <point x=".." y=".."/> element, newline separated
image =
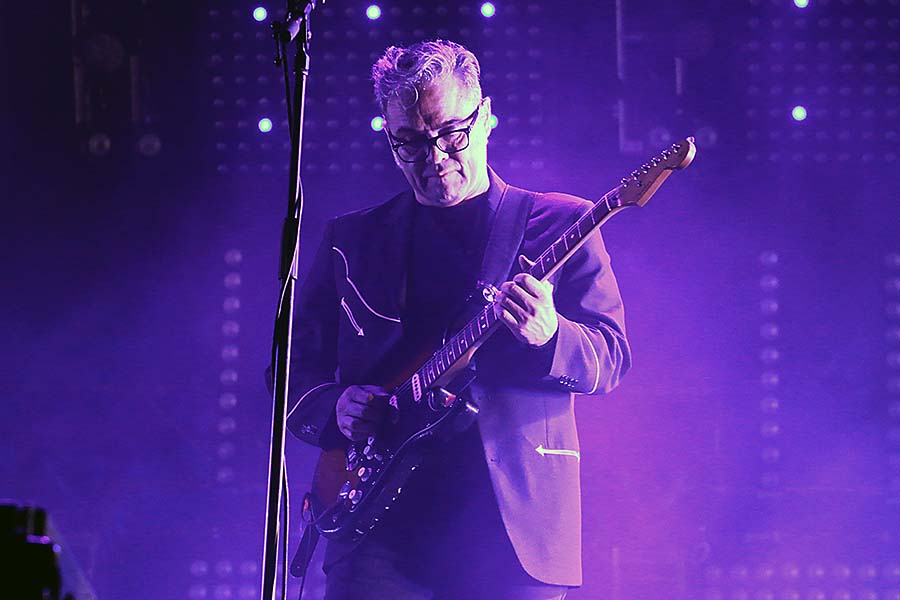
<point x="507" y="233"/>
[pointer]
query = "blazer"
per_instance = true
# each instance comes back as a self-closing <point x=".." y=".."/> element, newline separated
<point x="349" y="315"/>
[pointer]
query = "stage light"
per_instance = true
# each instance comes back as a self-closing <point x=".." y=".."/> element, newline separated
<point x="377" y="123"/>
<point x="199" y="568"/>
<point x="149" y="145"/>
<point x="488" y="9"/>
<point x="260" y="13"/>
<point x="265" y="125"/>
<point x="801" y="3"/>
<point x="798" y="113"/>
<point x="493" y="121"/>
<point x="373" y="12"/>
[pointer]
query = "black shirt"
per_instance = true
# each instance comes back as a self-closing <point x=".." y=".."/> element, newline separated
<point x="448" y="507"/>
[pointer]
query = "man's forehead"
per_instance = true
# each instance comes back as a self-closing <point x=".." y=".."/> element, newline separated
<point x="438" y="105"/>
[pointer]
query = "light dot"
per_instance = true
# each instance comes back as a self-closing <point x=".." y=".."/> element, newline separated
<point x="260" y="13"/>
<point x="377" y="123"/>
<point x="488" y="9"/>
<point x="373" y="12"/>
<point x="493" y="121"/>
<point x="801" y="3"/>
<point x="799" y="113"/>
<point x="265" y="125"/>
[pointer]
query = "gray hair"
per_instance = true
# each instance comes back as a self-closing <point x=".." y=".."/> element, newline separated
<point x="402" y="73"/>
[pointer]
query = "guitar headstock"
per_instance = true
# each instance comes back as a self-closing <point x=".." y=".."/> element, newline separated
<point x="636" y="189"/>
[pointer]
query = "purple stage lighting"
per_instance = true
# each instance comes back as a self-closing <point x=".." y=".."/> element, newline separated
<point x="377" y="123"/>
<point x="260" y="13"/>
<point x="488" y="9"/>
<point x="373" y="12"/>
<point x="801" y="3"/>
<point x="265" y="125"/>
<point x="798" y="113"/>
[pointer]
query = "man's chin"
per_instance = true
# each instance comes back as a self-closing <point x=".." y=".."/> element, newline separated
<point x="438" y="195"/>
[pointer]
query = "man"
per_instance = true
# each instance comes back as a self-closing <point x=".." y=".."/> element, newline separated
<point x="491" y="513"/>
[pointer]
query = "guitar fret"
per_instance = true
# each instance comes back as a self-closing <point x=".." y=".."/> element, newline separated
<point x="553" y="249"/>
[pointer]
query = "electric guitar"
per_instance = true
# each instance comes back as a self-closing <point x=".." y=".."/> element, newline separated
<point x="356" y="485"/>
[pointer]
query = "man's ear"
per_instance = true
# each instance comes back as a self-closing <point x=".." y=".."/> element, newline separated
<point x="487" y="116"/>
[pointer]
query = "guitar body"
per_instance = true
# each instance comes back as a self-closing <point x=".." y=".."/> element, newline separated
<point x="365" y="479"/>
<point x="357" y="484"/>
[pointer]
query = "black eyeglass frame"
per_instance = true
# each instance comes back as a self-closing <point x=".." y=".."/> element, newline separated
<point x="433" y="141"/>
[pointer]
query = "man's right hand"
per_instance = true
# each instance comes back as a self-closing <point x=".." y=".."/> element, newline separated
<point x="361" y="410"/>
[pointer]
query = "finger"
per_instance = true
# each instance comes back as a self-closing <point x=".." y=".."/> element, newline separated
<point x="376" y="390"/>
<point x="521" y="299"/>
<point x="348" y="428"/>
<point x="357" y="430"/>
<point x="518" y="313"/>
<point x="508" y="318"/>
<point x="364" y="412"/>
<point x="524" y="263"/>
<point x="501" y="313"/>
<point x="532" y="285"/>
<point x="365" y="398"/>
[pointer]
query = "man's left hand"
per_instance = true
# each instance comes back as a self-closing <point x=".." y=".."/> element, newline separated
<point x="526" y="308"/>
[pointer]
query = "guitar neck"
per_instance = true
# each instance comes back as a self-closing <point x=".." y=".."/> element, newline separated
<point x="634" y="190"/>
<point x="480" y="327"/>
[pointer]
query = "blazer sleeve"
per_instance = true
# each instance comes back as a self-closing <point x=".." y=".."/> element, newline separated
<point x="314" y="390"/>
<point x="590" y="352"/>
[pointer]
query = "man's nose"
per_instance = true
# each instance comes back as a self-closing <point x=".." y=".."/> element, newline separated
<point x="435" y="154"/>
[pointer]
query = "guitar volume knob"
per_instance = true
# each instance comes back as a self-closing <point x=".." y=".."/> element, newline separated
<point x="345" y="490"/>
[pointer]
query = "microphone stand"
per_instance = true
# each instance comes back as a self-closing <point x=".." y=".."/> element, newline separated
<point x="294" y="27"/>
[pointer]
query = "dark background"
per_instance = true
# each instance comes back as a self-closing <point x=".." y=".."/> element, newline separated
<point x="754" y="450"/>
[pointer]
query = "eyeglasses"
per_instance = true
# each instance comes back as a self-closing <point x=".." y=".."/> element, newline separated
<point x="450" y="142"/>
